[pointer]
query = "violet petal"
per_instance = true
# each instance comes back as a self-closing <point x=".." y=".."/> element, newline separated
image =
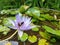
<point x="18" y="18"/>
<point x="12" y="27"/>
<point x="20" y="33"/>
<point x="12" y="22"/>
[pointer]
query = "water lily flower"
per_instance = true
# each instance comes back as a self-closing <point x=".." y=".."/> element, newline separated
<point x="21" y="23"/>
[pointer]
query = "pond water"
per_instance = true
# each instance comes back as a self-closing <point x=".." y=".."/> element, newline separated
<point x="48" y="23"/>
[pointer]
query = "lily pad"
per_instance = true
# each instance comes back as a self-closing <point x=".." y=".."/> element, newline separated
<point x="52" y="31"/>
<point x="4" y="29"/>
<point x="45" y="35"/>
<point x="13" y="12"/>
<point x="24" y="37"/>
<point x="35" y="12"/>
<point x="0" y="21"/>
<point x="32" y="39"/>
<point x="34" y="20"/>
<point x="23" y="8"/>
<point x="47" y="16"/>
<point x="6" y="21"/>
<point x="42" y="42"/>
<point x="5" y="12"/>
<point x="35" y="29"/>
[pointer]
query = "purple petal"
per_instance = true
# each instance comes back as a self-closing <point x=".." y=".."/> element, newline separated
<point x="20" y="33"/>
<point x="12" y="27"/>
<point x="16" y="24"/>
<point x="11" y="21"/>
<point x="18" y="18"/>
<point x="25" y="18"/>
<point x="27" y="22"/>
<point x="27" y="28"/>
<point x="30" y="27"/>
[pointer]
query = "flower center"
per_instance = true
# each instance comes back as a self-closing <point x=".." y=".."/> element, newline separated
<point x="20" y="24"/>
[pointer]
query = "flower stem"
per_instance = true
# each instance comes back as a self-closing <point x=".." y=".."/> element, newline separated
<point x="10" y="36"/>
<point x="23" y="43"/>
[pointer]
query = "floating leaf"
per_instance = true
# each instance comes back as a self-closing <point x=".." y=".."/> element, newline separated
<point x="32" y="39"/>
<point x="6" y="21"/>
<point x="5" y="12"/>
<point x="42" y="19"/>
<point x="47" y="16"/>
<point x="45" y="35"/>
<point x="35" y="29"/>
<point x="52" y="31"/>
<point x="0" y="21"/>
<point x="13" y="12"/>
<point x="43" y="42"/>
<point x="34" y="20"/>
<point x="35" y="12"/>
<point x="23" y="8"/>
<point x="4" y="29"/>
<point x="24" y="37"/>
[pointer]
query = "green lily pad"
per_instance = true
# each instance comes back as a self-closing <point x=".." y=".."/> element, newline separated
<point x="34" y="20"/>
<point x="24" y="37"/>
<point x="35" y="12"/>
<point x="43" y="42"/>
<point x="52" y="31"/>
<point x="4" y="29"/>
<point x="32" y="39"/>
<point x="0" y="21"/>
<point x="5" y="12"/>
<point x="13" y="12"/>
<point x="6" y="21"/>
<point x="35" y="29"/>
<point x="47" y="16"/>
<point x="45" y="35"/>
<point x="42" y="19"/>
<point x="23" y="8"/>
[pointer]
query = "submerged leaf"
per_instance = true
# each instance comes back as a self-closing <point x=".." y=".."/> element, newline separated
<point x="57" y="23"/>
<point x="32" y="39"/>
<point x="53" y="40"/>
